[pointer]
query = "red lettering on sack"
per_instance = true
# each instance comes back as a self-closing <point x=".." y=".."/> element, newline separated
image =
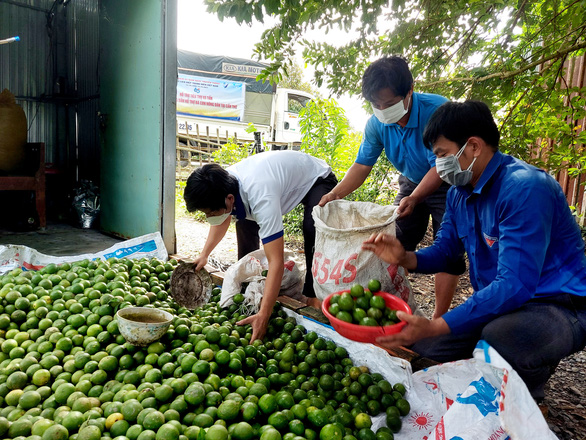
<point x="337" y="272"/>
<point x="324" y="271"/>
<point x="350" y="268"/>
<point x="440" y="430"/>
<point x="449" y="402"/>
<point x="497" y="434"/>
<point x="289" y="265"/>
<point x="392" y="270"/>
<point x="404" y="293"/>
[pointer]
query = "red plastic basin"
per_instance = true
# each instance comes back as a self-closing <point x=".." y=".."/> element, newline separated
<point x="364" y="333"/>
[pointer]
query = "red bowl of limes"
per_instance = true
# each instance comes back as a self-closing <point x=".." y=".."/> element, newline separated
<point x="366" y="333"/>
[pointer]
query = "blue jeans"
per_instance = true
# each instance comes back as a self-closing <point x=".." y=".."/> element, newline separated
<point x="533" y="339"/>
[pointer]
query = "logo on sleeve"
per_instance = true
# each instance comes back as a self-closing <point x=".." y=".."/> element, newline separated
<point x="490" y="240"/>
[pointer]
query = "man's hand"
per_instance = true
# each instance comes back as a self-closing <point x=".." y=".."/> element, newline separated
<point x="386" y="247"/>
<point x="417" y="328"/>
<point x="199" y="262"/>
<point x="406" y="206"/>
<point x="328" y="198"/>
<point x="259" y="324"/>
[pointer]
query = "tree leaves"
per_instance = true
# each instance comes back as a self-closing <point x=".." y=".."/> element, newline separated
<point x="512" y="54"/>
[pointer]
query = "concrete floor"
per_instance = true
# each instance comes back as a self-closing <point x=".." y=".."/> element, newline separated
<point x="60" y="239"/>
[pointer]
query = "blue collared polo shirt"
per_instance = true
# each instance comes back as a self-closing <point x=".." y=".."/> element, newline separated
<point x="403" y="146"/>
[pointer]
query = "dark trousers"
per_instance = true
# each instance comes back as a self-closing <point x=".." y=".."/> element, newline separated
<point x="411" y="230"/>
<point x="533" y="339"/>
<point x="247" y="230"/>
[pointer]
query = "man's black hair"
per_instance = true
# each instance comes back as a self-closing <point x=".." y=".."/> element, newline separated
<point x="387" y="73"/>
<point x="458" y="121"/>
<point x="207" y="188"/>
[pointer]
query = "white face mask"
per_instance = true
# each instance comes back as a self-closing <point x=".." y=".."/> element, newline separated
<point x="217" y="220"/>
<point x="392" y="114"/>
<point x="450" y="171"/>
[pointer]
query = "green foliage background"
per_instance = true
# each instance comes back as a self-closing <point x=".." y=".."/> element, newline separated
<point x="326" y="134"/>
<point x="515" y="55"/>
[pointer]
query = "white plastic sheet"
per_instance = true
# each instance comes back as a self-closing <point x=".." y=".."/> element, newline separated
<point x="481" y="398"/>
<point x="26" y="258"/>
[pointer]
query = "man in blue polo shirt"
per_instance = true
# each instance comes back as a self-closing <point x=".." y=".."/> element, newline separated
<point x="526" y="253"/>
<point x="258" y="191"/>
<point x="400" y="116"/>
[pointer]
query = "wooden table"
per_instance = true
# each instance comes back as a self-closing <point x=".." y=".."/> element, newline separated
<point x="31" y="181"/>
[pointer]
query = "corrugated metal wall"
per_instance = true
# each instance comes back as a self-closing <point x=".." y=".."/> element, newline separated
<point x="53" y="72"/>
<point x="574" y="187"/>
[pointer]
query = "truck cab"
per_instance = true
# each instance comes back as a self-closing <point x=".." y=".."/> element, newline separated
<point x="285" y="120"/>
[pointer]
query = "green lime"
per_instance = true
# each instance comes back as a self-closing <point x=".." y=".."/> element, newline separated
<point x="403" y="406"/>
<point x="331" y="432"/>
<point x="344" y="316"/>
<point x="153" y="420"/>
<point x="369" y="321"/>
<point x="366" y="434"/>
<point x="357" y="290"/>
<point x="374" y="285"/>
<point x="228" y="410"/>
<point x="29" y="399"/>
<point x="56" y="432"/>
<point x="362" y="420"/>
<point x="377" y="302"/>
<point x="267" y="403"/>
<point x="346" y="302"/>
<point x="242" y="431"/>
<point x="399" y="387"/>
<point x="394" y="422"/>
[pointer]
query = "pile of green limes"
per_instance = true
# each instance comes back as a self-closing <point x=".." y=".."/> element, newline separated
<point x="67" y="373"/>
<point x="360" y="306"/>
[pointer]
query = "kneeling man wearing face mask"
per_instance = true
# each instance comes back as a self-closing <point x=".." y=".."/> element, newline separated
<point x="258" y="191"/>
<point x="525" y="251"/>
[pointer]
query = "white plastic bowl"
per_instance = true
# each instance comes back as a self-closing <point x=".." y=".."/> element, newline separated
<point x="143" y="325"/>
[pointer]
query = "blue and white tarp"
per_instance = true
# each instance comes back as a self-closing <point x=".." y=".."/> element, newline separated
<point x="23" y="257"/>
<point x="481" y="398"/>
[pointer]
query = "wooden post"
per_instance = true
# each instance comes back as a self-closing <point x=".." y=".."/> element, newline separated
<point x="198" y="141"/>
<point x="217" y="138"/>
<point x="208" y="139"/>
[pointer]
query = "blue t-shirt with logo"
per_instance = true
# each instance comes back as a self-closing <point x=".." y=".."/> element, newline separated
<point x="403" y="145"/>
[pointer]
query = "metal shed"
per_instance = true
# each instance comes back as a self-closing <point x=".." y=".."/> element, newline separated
<point x="97" y="82"/>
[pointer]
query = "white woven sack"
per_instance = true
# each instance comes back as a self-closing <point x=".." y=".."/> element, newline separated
<point x="249" y="269"/>
<point x="339" y="261"/>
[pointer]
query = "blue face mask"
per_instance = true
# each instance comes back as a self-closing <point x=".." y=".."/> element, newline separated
<point x="450" y="171"/>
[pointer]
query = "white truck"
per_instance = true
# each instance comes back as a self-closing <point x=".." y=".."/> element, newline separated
<point x="219" y="98"/>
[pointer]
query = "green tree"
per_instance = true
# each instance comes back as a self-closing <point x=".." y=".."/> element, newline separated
<point x="295" y="80"/>
<point x="515" y="55"/>
<point x="326" y="134"/>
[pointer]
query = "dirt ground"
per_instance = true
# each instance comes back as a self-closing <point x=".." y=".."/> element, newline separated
<point x="565" y="392"/>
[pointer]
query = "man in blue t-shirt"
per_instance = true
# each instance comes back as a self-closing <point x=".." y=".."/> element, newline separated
<point x="526" y="254"/>
<point x="400" y="116"/>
